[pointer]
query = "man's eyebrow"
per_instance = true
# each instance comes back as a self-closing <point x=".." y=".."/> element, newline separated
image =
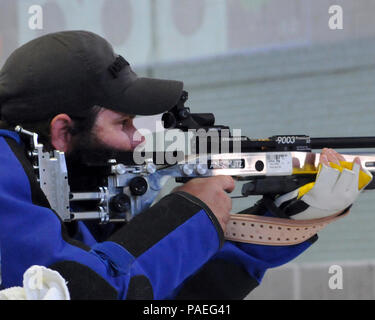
<point x="126" y="116"/>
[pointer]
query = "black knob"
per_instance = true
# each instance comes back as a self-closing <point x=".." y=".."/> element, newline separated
<point x="120" y="203"/>
<point x="183" y="114"/>
<point x="259" y="165"/>
<point x="138" y="186"/>
<point x="169" y="120"/>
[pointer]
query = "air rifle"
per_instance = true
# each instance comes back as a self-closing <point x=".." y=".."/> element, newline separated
<point x="118" y="189"/>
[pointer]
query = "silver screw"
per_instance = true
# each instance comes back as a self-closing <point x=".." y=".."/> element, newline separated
<point x="201" y="168"/>
<point x="187" y="170"/>
<point x="119" y="169"/>
<point x="150" y="167"/>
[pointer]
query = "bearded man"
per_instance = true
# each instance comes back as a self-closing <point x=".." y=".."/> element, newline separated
<point x="81" y="98"/>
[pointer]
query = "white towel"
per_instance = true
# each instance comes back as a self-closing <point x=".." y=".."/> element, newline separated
<point x="39" y="283"/>
<point x="14" y="293"/>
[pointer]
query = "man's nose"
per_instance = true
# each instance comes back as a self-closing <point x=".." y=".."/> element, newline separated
<point x="137" y="139"/>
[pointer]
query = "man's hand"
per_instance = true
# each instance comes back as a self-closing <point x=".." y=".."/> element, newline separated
<point x="213" y="192"/>
<point x="330" y="155"/>
<point x="337" y="186"/>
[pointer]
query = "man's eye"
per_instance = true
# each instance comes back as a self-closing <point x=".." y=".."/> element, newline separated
<point x="126" y="123"/>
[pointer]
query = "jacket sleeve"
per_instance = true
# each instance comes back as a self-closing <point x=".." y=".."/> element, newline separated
<point x="146" y="259"/>
<point x="238" y="268"/>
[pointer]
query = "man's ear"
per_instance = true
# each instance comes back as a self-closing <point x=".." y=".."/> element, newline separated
<point x="60" y="132"/>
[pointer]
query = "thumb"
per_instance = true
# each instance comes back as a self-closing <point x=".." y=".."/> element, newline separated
<point x="227" y="183"/>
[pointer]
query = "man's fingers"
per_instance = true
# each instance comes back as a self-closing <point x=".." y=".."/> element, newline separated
<point x="296" y="163"/>
<point x="357" y="160"/>
<point x="333" y="156"/>
<point x="340" y="156"/>
<point x="310" y="159"/>
<point x="226" y="182"/>
<point x="357" y="165"/>
<point x="336" y="155"/>
<point x="324" y="160"/>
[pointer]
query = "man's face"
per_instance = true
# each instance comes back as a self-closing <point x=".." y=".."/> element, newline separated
<point x="116" y="130"/>
<point x="111" y="133"/>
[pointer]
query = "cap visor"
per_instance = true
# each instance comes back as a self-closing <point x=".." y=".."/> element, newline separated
<point x="147" y="96"/>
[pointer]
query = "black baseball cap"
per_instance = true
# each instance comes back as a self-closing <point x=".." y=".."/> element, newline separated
<point x="72" y="71"/>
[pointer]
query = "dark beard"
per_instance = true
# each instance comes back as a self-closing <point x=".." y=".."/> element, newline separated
<point x="87" y="163"/>
<point x="88" y="170"/>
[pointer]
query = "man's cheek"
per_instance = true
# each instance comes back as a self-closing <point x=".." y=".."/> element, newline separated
<point x="115" y="139"/>
<point x="121" y="142"/>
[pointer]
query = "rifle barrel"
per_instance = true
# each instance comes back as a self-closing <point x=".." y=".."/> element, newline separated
<point x="343" y="143"/>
